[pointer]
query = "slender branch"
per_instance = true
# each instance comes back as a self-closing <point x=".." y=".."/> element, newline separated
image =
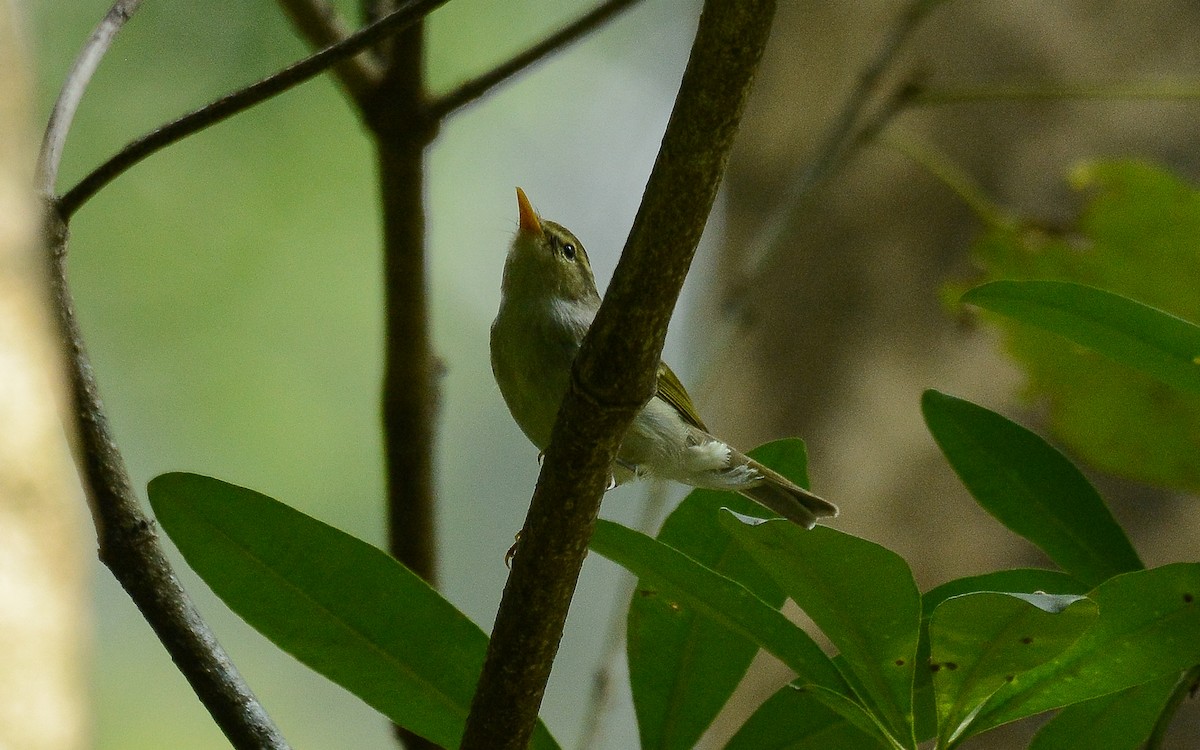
<point x="614" y="374"/>
<point x="1136" y="90"/>
<point x="1188" y="685"/>
<point x="322" y="26"/>
<point x="842" y="138"/>
<point x="407" y="13"/>
<point x="77" y="81"/>
<point x="129" y="545"/>
<point x="953" y="177"/>
<point x="471" y="91"/>
<point x="397" y="115"/>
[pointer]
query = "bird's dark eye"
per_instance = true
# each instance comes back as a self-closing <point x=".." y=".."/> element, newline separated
<point x="568" y="251"/>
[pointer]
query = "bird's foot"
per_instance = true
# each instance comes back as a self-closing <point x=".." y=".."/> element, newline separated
<point x="512" y="551"/>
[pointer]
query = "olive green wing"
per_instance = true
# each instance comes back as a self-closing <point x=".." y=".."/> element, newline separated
<point x="673" y="392"/>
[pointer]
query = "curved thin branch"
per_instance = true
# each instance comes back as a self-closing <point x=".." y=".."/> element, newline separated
<point x="321" y="25"/>
<point x="471" y="91"/>
<point x="614" y="374"/>
<point x="77" y="81"/>
<point x="241" y="100"/>
<point x="129" y="545"/>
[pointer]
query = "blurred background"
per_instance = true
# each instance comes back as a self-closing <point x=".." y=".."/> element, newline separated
<point x="229" y="289"/>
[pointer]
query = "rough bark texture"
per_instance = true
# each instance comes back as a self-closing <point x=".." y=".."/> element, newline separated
<point x="614" y="373"/>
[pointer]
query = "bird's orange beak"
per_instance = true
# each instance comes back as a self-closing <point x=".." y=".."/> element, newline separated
<point x="530" y="223"/>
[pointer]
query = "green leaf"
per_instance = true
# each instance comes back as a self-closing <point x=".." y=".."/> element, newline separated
<point x="861" y="595"/>
<point x="981" y="642"/>
<point x="1120" y="721"/>
<point x="344" y="608"/>
<point x="1139" y="336"/>
<point x="1030" y="487"/>
<point x="1146" y="630"/>
<point x="1136" y="237"/>
<point x="1022" y="580"/>
<point x="683" y="666"/>
<point x="686" y="583"/>
<point x="795" y="719"/>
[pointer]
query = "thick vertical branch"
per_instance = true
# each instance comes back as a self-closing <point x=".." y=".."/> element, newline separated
<point x="614" y="373"/>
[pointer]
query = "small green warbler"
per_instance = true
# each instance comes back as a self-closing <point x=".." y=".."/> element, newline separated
<point x="548" y="300"/>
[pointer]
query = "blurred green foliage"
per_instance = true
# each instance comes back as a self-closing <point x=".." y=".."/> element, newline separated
<point x="1136" y="236"/>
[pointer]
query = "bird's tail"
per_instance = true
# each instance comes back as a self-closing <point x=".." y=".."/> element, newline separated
<point x="788" y="499"/>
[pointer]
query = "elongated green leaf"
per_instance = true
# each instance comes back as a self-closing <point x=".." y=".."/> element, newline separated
<point x="860" y="595"/>
<point x="1136" y="335"/>
<point x="339" y="605"/>
<point x="980" y="642"/>
<point x="683" y="666"/>
<point x="795" y="719"/>
<point x="687" y="583"/>
<point x="1146" y="630"/>
<point x="1030" y="487"/>
<point x="1120" y="721"/>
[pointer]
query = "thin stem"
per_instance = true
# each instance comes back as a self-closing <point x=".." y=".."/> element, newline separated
<point x="129" y="546"/>
<point x="474" y="89"/>
<point x="1017" y="92"/>
<point x="953" y="177"/>
<point x="842" y="138"/>
<point x="1187" y="686"/>
<point x="614" y="373"/>
<point x="396" y="112"/>
<point x="322" y="26"/>
<point x="407" y="13"/>
<point x="76" y="84"/>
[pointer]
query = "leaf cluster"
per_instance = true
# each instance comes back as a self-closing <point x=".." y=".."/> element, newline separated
<point x="1101" y="638"/>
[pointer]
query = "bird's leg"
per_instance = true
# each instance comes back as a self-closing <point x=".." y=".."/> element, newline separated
<point x="512" y="551"/>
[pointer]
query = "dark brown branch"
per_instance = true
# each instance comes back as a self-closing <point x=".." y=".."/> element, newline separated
<point x="472" y="90"/>
<point x="321" y="25"/>
<point x="129" y="545"/>
<point x="406" y="14"/>
<point x="77" y="82"/>
<point x="614" y="373"/>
